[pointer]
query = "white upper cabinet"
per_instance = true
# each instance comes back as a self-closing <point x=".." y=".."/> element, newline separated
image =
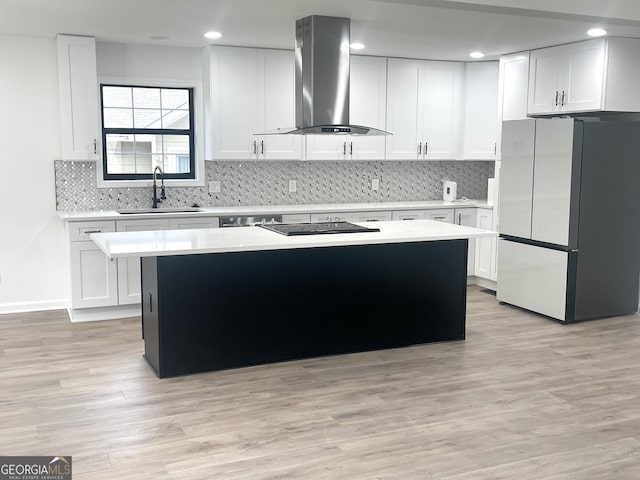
<point x="251" y="92"/>
<point x="594" y="75"/>
<point x="442" y="102"/>
<point x="79" y="101"/>
<point x="367" y="106"/>
<point x="513" y="86"/>
<point x="481" y="111"/>
<point x="567" y="78"/>
<point x="424" y="109"/>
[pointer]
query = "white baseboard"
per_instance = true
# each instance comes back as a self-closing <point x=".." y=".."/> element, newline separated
<point x="486" y="283"/>
<point x="98" y="314"/>
<point x="23" y="307"/>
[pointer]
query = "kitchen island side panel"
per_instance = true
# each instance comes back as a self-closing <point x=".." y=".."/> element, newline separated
<point x="238" y="309"/>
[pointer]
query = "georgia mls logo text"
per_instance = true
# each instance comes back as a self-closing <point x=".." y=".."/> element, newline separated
<point x="35" y="468"/>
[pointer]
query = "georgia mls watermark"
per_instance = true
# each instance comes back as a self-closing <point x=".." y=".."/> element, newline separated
<point x="35" y="468"/>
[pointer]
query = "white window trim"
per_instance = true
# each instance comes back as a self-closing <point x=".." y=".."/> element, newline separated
<point x="198" y="104"/>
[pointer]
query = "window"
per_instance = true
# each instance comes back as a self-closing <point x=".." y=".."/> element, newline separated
<point x="147" y="127"/>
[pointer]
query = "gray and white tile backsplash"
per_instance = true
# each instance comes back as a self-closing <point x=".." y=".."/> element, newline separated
<point x="267" y="183"/>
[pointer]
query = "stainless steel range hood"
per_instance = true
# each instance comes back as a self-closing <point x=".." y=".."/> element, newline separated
<point x="322" y="79"/>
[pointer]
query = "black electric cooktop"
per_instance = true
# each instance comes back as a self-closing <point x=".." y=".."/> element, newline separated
<point x="320" y="228"/>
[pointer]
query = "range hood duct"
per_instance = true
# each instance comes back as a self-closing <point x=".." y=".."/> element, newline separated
<point x="322" y="60"/>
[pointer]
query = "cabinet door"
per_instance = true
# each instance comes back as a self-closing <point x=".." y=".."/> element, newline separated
<point x="327" y="147"/>
<point x="514" y="83"/>
<point x="276" y="105"/>
<point x="481" y="111"/>
<point x="233" y="103"/>
<point x="129" y="268"/>
<point x="467" y="217"/>
<point x="545" y="69"/>
<point x="516" y="177"/>
<point x="441" y="215"/>
<point x="79" y="101"/>
<point x="551" y="181"/>
<point x="368" y="105"/>
<point x="583" y="76"/>
<point x="182" y="223"/>
<point x="404" y="121"/>
<point x="442" y="103"/>
<point x="94" y="280"/>
<point x="485" y="247"/>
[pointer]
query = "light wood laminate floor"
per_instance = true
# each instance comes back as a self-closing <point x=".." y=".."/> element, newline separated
<point x="522" y="398"/>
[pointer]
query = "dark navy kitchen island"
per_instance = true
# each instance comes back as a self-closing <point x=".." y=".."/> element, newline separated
<point x="298" y="298"/>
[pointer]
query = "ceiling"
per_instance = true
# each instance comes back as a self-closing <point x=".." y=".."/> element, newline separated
<point x="436" y="29"/>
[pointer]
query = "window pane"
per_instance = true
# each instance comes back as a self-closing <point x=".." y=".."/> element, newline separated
<point x="121" y="163"/>
<point x="146" y="98"/>
<point x="144" y="163"/>
<point x="120" y="144"/>
<point x="146" y="119"/>
<point x="173" y="99"/>
<point x="175" y="119"/>
<point x="176" y="144"/>
<point x="116" y="97"/>
<point x="118" y="118"/>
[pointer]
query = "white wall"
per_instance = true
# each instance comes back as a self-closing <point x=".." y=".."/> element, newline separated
<point x="33" y="257"/>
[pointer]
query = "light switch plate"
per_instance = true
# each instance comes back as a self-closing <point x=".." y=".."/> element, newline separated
<point x="214" y="186"/>
<point x="293" y="186"/>
<point x="375" y="184"/>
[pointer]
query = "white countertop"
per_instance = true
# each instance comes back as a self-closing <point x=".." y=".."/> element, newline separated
<point x="84" y="215"/>
<point x="245" y="239"/>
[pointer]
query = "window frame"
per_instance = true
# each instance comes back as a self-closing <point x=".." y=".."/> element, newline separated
<point x="191" y="132"/>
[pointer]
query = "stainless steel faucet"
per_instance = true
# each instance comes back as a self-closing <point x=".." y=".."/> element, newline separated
<point x="157" y="200"/>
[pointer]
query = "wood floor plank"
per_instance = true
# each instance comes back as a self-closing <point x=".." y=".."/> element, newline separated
<point x="523" y="397"/>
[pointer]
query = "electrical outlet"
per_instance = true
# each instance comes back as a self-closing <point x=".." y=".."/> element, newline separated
<point x="214" y="186"/>
<point x="375" y="184"/>
<point x="293" y="186"/>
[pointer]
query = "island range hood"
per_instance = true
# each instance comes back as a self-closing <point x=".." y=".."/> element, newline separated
<point x="322" y="79"/>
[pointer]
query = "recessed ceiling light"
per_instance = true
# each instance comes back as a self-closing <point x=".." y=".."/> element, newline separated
<point x="213" y="35"/>
<point x="159" y="37"/>
<point x="476" y="54"/>
<point x="357" y="46"/>
<point x="596" y="32"/>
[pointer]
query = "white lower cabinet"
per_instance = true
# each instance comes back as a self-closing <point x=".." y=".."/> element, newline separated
<point x="199" y="222"/>
<point x="129" y="268"/>
<point x="485" y="247"/>
<point x="467" y="217"/>
<point x="94" y="278"/>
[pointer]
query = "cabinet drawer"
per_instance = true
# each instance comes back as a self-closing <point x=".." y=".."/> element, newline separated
<point x="80" y="231"/>
<point x="409" y="215"/>
<point x="296" y="218"/>
<point x="371" y="216"/>
<point x="143" y="225"/>
<point x="188" y="223"/>
<point x="442" y="215"/>
<point x="331" y="217"/>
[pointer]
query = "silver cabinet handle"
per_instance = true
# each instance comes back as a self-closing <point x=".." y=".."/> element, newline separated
<point x="562" y="102"/>
<point x="557" y="98"/>
<point x="344" y="149"/>
<point x="87" y="232"/>
<point x="350" y="148"/>
<point x="95" y="146"/>
<point x="443" y="217"/>
<point x="495" y="148"/>
<point x="420" y="148"/>
<point x="262" y="147"/>
<point x="459" y="219"/>
<point x="255" y="147"/>
<point x="426" y="148"/>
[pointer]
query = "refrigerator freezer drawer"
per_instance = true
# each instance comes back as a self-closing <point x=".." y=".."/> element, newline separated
<point x="532" y="277"/>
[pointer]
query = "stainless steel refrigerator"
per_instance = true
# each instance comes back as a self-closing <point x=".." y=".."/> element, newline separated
<point x="569" y="209"/>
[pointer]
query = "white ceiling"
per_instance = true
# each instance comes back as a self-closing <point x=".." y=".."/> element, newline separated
<point x="438" y="29"/>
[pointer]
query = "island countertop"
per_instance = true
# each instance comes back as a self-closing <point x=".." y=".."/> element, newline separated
<point x="246" y="239"/>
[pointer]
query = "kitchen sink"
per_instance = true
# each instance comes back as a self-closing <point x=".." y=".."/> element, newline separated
<point x="134" y="211"/>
